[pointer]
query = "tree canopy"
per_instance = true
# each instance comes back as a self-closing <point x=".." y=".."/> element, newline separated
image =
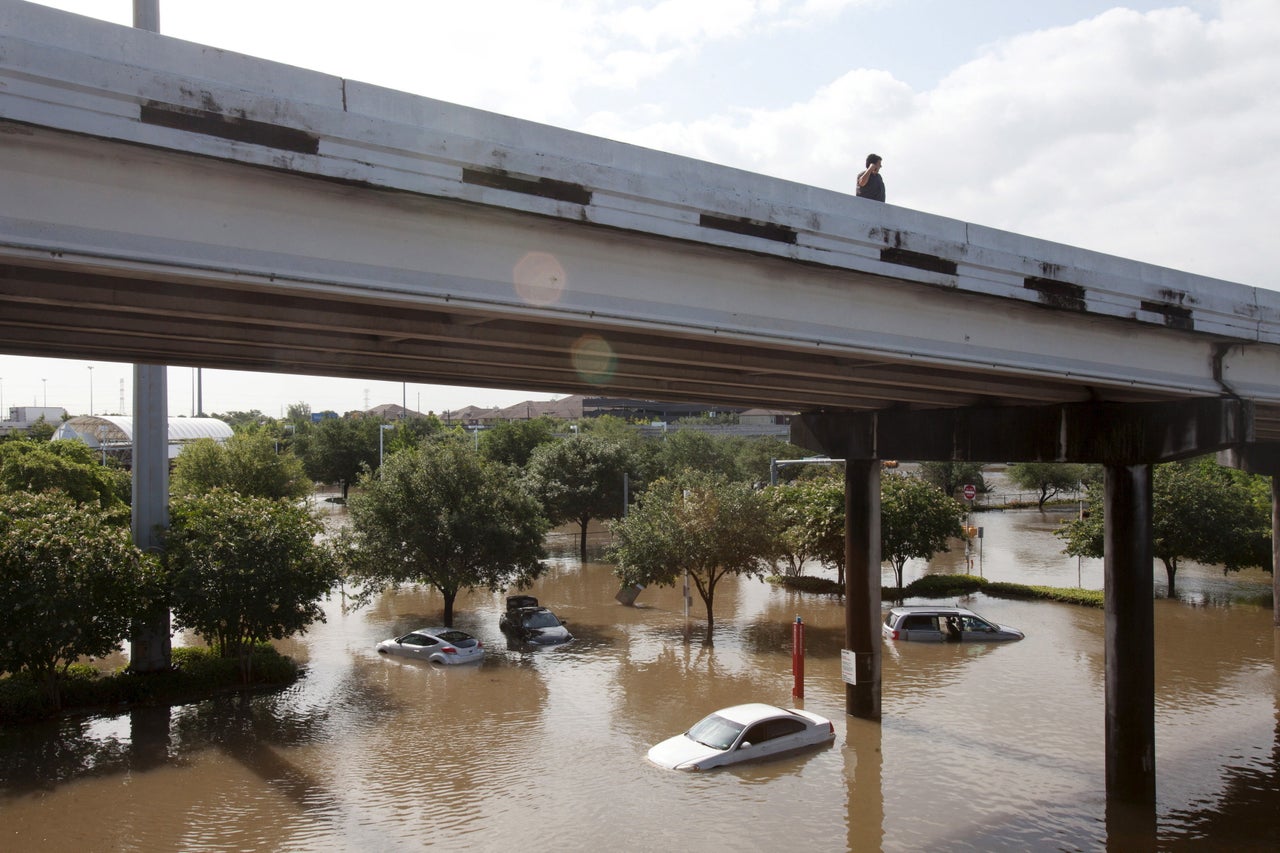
<point x="67" y="465"/>
<point x="71" y="580"/>
<point x="444" y="516"/>
<point x="689" y="449"/>
<point x="1049" y="479"/>
<point x="513" y="442"/>
<point x="242" y="570"/>
<point x="1200" y="511"/>
<point x="248" y="463"/>
<point x="698" y="523"/>
<point x="950" y="476"/>
<point x="337" y="450"/>
<point x="578" y="479"/>
<point x="811" y="512"/>
<point x="916" y="520"/>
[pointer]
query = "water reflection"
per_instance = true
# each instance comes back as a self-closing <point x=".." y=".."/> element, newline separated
<point x="982" y="747"/>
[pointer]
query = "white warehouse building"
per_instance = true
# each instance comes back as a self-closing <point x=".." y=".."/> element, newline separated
<point x="114" y="435"/>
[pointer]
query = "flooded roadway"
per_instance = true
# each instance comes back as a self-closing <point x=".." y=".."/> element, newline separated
<point x="981" y="747"/>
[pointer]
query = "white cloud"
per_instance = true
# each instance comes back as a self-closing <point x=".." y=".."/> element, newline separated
<point x="1154" y="136"/>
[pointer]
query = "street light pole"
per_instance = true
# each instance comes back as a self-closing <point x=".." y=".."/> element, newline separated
<point x="44" y="386"/>
<point x="381" y="429"/>
<point x="91" y="390"/>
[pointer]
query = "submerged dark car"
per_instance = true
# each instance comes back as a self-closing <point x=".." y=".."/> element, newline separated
<point x="526" y="622"/>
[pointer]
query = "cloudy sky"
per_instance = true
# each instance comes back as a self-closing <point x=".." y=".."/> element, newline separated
<point x="1143" y="129"/>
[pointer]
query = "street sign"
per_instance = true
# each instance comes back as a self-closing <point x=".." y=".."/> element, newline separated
<point x="848" y="667"/>
<point x="970" y="492"/>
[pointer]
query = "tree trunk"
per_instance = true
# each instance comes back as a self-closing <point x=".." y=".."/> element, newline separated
<point x="449" y="596"/>
<point x="1170" y="569"/>
<point x="582" y="539"/>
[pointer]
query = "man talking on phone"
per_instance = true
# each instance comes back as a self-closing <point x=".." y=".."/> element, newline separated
<point x="870" y="184"/>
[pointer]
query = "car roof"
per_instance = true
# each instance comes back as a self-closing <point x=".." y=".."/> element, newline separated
<point x="752" y="712"/>
<point x="436" y="632"/>
<point x="925" y="608"/>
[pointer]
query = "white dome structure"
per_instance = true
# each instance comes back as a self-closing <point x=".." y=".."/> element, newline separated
<point x="111" y="433"/>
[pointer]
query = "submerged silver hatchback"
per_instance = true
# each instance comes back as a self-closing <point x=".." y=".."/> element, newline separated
<point x="928" y="624"/>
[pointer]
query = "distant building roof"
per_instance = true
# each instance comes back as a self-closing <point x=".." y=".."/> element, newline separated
<point x="566" y="408"/>
<point x="116" y="432"/>
<point x="391" y="412"/>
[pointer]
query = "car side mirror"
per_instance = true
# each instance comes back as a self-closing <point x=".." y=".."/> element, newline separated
<point x="745" y="744"/>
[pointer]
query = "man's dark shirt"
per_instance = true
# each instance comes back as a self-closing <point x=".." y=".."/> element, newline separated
<point x="874" y="189"/>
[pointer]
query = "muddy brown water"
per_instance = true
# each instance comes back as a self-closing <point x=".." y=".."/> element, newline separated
<point x="982" y="747"/>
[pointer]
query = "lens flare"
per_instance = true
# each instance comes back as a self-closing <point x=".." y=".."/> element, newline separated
<point x="539" y="278"/>
<point x="593" y="359"/>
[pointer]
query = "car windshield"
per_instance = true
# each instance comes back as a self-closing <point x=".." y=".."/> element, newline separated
<point x="417" y="640"/>
<point x="543" y="619"/>
<point x="715" y="731"/>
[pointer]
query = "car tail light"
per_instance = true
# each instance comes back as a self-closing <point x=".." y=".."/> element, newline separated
<point x="479" y="645"/>
<point x="895" y="633"/>
<point x="831" y="728"/>
<point x="449" y="650"/>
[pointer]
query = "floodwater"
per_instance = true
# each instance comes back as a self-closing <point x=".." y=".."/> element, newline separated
<point x="996" y="747"/>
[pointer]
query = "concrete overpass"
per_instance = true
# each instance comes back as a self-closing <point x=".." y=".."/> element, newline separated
<point x="167" y="203"/>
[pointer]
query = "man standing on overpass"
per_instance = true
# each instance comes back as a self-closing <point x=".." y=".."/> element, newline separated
<point x="870" y="184"/>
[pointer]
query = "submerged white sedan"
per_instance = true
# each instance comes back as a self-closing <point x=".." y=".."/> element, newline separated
<point x="742" y="733"/>
<point x="438" y="645"/>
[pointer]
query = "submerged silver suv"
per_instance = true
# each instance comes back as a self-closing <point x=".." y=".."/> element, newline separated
<point x="929" y="624"/>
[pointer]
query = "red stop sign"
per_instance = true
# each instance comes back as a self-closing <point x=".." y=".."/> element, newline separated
<point x="970" y="492"/>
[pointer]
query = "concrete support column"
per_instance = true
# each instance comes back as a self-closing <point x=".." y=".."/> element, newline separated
<point x="1275" y="549"/>
<point x="146" y="15"/>
<point x="150" y="647"/>
<point x="1130" y="636"/>
<point x="862" y="584"/>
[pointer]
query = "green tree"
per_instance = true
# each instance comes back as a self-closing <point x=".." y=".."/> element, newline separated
<point x="41" y="430"/>
<point x="242" y="570"/>
<point x="578" y="479"/>
<point x="811" y="512"/>
<point x="1048" y="479"/>
<point x="72" y="583"/>
<point x="753" y="457"/>
<point x="444" y="516"/>
<point x="950" y="476"/>
<point x="66" y="465"/>
<point x="513" y="442"/>
<point x="247" y="463"/>
<point x="411" y="432"/>
<point x="337" y="450"/>
<point x="693" y="450"/>
<point x="699" y="523"/>
<point x="298" y="413"/>
<point x="916" y="520"/>
<point x="250" y="421"/>
<point x="1199" y="511"/>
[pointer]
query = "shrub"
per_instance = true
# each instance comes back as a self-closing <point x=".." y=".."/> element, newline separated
<point x="197" y="674"/>
<point x="944" y="586"/>
<point x="1066" y="595"/>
